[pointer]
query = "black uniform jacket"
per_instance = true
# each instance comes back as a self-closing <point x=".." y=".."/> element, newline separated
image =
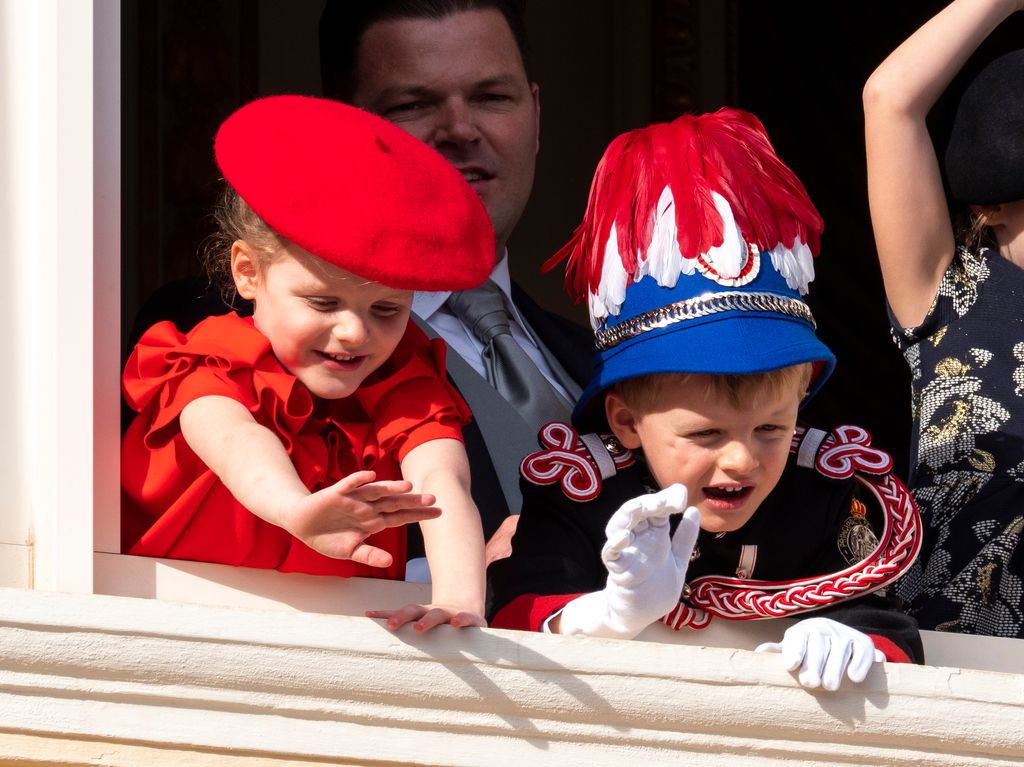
<point x="810" y="525"/>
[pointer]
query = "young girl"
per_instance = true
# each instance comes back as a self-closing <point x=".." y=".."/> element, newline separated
<point x="305" y="437"/>
<point x="955" y="306"/>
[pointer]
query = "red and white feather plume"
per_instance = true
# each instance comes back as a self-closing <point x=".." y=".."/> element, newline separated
<point x="704" y="192"/>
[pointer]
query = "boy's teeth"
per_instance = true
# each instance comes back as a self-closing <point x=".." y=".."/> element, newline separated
<point x="472" y="176"/>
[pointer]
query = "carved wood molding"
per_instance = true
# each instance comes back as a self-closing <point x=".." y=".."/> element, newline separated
<point x="693" y="59"/>
<point x="147" y="682"/>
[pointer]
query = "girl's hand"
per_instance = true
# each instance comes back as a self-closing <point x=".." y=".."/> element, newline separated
<point x="428" y="616"/>
<point x="337" y="520"/>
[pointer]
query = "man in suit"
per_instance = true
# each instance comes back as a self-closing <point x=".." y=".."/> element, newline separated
<point x="454" y="73"/>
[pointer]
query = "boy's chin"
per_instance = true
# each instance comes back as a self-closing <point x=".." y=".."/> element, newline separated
<point x="715" y="522"/>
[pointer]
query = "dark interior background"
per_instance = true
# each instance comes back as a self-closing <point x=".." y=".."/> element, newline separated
<point x="604" y="66"/>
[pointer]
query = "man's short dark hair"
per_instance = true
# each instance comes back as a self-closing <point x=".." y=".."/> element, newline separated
<point x="343" y="23"/>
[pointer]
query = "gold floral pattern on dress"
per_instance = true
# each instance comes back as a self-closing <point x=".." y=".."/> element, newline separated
<point x="982" y="460"/>
<point x="956" y="414"/>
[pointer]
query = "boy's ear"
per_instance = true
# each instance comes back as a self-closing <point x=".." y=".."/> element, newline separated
<point x="244" y="269"/>
<point x="623" y="420"/>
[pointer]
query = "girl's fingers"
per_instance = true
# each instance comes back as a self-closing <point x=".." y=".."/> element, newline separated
<point x="436" y="616"/>
<point x="353" y="481"/>
<point x="395" y="619"/>
<point x="401" y="517"/>
<point x="426" y="617"/>
<point x="365" y="554"/>
<point x="374" y="491"/>
<point x="406" y="501"/>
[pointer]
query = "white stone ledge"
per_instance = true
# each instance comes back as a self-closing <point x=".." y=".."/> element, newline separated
<point x="123" y="681"/>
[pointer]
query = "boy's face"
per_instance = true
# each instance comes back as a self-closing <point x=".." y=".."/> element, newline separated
<point x="728" y="457"/>
<point x="328" y="327"/>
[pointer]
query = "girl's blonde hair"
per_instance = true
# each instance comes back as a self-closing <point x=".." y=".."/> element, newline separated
<point x="641" y="393"/>
<point x="236" y="221"/>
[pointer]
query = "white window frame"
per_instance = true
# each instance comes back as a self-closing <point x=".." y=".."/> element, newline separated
<point x="62" y="114"/>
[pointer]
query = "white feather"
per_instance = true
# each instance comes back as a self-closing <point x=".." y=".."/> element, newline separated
<point x="611" y="290"/>
<point x="795" y="264"/>
<point x="663" y="260"/>
<point x="729" y="258"/>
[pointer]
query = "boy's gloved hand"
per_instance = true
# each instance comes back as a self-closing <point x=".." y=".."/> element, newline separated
<point x="823" y="649"/>
<point x="646" y="567"/>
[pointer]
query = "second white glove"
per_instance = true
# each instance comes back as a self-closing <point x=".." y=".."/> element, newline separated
<point x="823" y="649"/>
<point x="646" y="567"/>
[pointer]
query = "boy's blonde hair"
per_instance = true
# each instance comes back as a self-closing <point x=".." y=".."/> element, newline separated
<point x="641" y="393"/>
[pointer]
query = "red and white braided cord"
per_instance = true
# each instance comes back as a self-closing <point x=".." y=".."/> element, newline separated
<point x="736" y="599"/>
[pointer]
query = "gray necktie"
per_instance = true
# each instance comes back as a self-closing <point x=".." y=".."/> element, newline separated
<point x="509" y="368"/>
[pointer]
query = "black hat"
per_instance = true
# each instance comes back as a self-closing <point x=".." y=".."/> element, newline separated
<point x="985" y="156"/>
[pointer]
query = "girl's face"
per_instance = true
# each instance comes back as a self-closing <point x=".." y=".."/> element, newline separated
<point x="328" y="327"/>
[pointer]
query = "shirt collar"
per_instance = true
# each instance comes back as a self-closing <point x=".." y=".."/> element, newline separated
<point x="426" y="302"/>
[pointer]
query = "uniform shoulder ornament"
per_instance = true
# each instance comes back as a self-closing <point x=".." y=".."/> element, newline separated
<point x="579" y="462"/>
<point x="843" y="453"/>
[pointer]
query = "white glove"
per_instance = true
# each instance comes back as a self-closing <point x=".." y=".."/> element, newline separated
<point x="646" y="567"/>
<point x="823" y="649"/>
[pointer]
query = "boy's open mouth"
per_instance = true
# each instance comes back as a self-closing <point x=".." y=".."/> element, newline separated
<point x="728" y="494"/>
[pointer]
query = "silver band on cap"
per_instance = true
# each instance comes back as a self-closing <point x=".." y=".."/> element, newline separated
<point x="702" y="306"/>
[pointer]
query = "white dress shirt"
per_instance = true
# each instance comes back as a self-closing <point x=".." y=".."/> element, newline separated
<point x="429" y="306"/>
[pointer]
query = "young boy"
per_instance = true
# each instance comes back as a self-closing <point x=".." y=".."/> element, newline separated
<point x="694" y="253"/>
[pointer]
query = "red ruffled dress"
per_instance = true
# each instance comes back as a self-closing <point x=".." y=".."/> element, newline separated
<point x="174" y="506"/>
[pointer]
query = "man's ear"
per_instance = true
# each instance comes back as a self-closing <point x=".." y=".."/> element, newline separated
<point x="623" y="420"/>
<point x="244" y="269"/>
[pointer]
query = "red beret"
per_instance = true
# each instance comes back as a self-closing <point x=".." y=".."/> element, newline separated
<point x="358" y="192"/>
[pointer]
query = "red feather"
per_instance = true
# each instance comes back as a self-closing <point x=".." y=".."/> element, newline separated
<point x="727" y="152"/>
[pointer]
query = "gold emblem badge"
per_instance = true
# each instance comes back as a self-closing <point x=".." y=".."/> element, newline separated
<point x="856" y="539"/>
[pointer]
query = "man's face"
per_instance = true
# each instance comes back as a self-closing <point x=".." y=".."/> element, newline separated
<point x="728" y="457"/>
<point x="458" y="84"/>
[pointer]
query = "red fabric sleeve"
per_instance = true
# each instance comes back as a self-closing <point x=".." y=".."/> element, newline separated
<point x="528" y="612"/>
<point x="892" y="651"/>
<point x="223" y="356"/>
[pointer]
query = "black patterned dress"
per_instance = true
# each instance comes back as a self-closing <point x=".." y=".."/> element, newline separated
<point x="967" y="454"/>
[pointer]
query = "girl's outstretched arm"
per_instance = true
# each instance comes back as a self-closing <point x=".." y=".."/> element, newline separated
<point x="454" y="541"/>
<point x="253" y="464"/>
<point x="911" y="222"/>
